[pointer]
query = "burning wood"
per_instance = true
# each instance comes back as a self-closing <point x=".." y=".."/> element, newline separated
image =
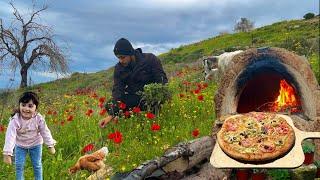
<point x="287" y="99"/>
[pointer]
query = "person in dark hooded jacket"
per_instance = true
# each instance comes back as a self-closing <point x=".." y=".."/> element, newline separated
<point x="134" y="70"/>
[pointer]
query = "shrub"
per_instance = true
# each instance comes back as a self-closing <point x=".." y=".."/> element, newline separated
<point x="317" y="163"/>
<point x="308" y="147"/>
<point x="279" y="174"/>
<point x="230" y="49"/>
<point x="154" y="95"/>
<point x="308" y="16"/>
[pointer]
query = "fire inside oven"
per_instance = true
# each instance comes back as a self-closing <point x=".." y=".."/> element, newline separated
<point x="266" y="85"/>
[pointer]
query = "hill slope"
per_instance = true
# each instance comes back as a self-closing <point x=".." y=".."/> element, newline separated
<point x="300" y="36"/>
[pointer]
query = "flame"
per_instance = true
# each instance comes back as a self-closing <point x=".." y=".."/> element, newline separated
<point x="287" y="98"/>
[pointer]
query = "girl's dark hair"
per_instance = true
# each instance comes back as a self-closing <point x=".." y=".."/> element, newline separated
<point x="25" y="98"/>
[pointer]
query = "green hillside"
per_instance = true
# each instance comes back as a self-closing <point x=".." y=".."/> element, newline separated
<point x="300" y="36"/>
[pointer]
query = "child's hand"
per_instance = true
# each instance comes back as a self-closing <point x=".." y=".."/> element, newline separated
<point x="7" y="159"/>
<point x="52" y="150"/>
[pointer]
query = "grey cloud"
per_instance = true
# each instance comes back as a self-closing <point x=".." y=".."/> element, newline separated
<point x="92" y="27"/>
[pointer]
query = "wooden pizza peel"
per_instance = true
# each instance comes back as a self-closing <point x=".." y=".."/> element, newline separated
<point x="294" y="158"/>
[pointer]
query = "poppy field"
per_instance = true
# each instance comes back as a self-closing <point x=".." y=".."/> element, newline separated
<point x="137" y="136"/>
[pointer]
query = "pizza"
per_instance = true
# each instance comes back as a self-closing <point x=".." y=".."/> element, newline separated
<point x="256" y="137"/>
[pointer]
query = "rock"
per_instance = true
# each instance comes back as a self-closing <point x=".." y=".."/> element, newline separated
<point x="208" y="172"/>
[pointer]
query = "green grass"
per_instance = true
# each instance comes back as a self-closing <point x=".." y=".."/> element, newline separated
<point x="178" y="119"/>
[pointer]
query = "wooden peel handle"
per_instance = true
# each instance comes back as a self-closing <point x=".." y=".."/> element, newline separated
<point x="310" y="134"/>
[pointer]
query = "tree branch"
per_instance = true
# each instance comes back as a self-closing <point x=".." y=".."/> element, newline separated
<point x="16" y="13"/>
<point x="4" y="41"/>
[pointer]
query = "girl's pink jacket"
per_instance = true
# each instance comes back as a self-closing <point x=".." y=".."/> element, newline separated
<point x="27" y="133"/>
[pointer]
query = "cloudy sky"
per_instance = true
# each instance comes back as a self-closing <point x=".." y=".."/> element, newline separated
<point x="90" y="28"/>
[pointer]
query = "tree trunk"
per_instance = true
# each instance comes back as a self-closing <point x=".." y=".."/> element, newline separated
<point x="24" y="77"/>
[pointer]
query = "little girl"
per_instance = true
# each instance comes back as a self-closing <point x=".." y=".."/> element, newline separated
<point x="27" y="130"/>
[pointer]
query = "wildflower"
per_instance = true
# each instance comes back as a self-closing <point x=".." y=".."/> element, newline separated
<point x="199" y="85"/>
<point x="155" y="127"/>
<point x="101" y="105"/>
<point x="102" y="111"/>
<point x="54" y="113"/>
<point x="197" y="91"/>
<point x="136" y="110"/>
<point x="89" y="112"/>
<point x="49" y="112"/>
<point x="62" y="123"/>
<point x="200" y="97"/>
<point x="117" y="137"/>
<point x="179" y="73"/>
<point x="87" y="148"/>
<point x="127" y="114"/>
<point x="102" y="99"/>
<point x="181" y="95"/>
<point x="2" y="128"/>
<point x="70" y="118"/>
<point x="94" y="95"/>
<point x="186" y="83"/>
<point x="205" y="85"/>
<point x="111" y="135"/>
<point x="195" y="132"/>
<point x="150" y="115"/>
<point x="122" y="105"/>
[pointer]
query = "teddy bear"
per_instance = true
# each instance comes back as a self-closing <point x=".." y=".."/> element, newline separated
<point x="90" y="162"/>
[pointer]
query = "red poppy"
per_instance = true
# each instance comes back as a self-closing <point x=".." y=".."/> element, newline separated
<point x="87" y="148"/>
<point x="136" y="110"/>
<point x="150" y="115"/>
<point x="127" y="114"/>
<point x="116" y="137"/>
<point x="122" y="105"/>
<point x="2" y="128"/>
<point x="186" y="83"/>
<point x="70" y="118"/>
<point x="94" y="95"/>
<point x="199" y="85"/>
<point x="54" y="112"/>
<point x="102" y="99"/>
<point x="195" y="132"/>
<point x="197" y="91"/>
<point x="62" y="123"/>
<point x="49" y="112"/>
<point x="200" y="97"/>
<point x="111" y="135"/>
<point x="102" y="112"/>
<point x="179" y="73"/>
<point x="101" y="105"/>
<point x="155" y="127"/>
<point x="205" y="85"/>
<point x="181" y="95"/>
<point x="89" y="112"/>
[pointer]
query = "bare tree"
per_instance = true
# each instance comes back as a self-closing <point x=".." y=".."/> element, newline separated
<point x="27" y="43"/>
<point x="244" y="25"/>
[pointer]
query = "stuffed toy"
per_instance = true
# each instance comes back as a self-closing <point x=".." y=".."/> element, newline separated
<point x="90" y="162"/>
